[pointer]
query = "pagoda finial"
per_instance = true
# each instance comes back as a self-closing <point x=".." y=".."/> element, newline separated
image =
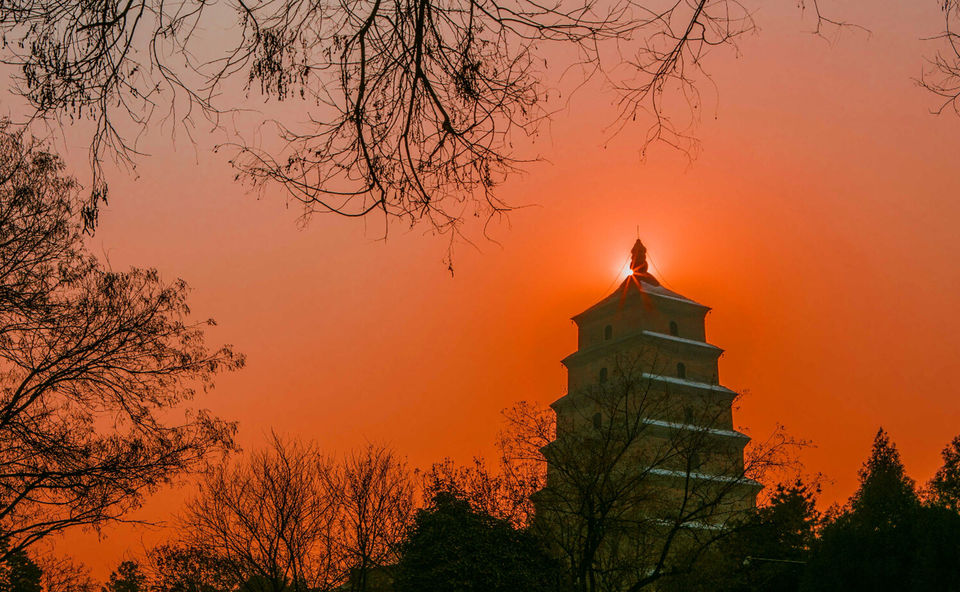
<point x="638" y="264"/>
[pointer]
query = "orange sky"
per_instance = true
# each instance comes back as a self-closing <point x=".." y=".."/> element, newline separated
<point x="819" y="222"/>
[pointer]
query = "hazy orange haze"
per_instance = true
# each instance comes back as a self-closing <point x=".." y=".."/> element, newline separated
<point x="819" y="221"/>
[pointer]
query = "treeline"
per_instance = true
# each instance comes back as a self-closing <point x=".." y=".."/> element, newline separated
<point x="890" y="535"/>
<point x="289" y="518"/>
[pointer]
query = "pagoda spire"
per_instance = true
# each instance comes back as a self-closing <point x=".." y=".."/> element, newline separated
<point x="638" y="264"/>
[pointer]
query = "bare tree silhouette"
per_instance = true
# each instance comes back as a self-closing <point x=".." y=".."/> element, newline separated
<point x="412" y="108"/>
<point x="173" y="567"/>
<point x="64" y="574"/>
<point x="289" y="518"/>
<point x="942" y="77"/>
<point x="377" y="506"/>
<point x="503" y="493"/>
<point x="93" y="364"/>
<point x="270" y="518"/>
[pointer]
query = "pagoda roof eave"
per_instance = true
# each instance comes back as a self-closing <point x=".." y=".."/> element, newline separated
<point x="599" y="349"/>
<point x="641" y="287"/>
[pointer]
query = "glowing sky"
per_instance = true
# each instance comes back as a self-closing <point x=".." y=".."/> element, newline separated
<point x="819" y="221"/>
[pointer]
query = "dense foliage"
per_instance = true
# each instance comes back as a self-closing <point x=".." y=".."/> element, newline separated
<point x="886" y="538"/>
<point x="889" y="536"/>
<point x="765" y="552"/>
<point x="454" y="548"/>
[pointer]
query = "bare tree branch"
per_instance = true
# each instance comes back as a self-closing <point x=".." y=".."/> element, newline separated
<point x="92" y="363"/>
<point x="412" y="109"/>
<point x="942" y="76"/>
<point x="288" y="518"/>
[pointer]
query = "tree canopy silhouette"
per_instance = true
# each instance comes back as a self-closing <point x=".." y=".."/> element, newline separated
<point x="19" y="573"/>
<point x="452" y="547"/>
<point x="414" y="110"/>
<point x="765" y="551"/>
<point x="942" y="77"/>
<point x="183" y="568"/>
<point x="93" y="365"/>
<point x="128" y="577"/>
<point x="945" y="485"/>
<point x="289" y="518"/>
<point x="886" y="539"/>
<point x="411" y="108"/>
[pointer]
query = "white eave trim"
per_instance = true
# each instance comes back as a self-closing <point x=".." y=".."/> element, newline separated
<point x="702" y="476"/>
<point x="690" y="383"/>
<point x="696" y="428"/>
<point x="694" y="524"/>
<point x="681" y="340"/>
<point x="679" y="381"/>
<point x="598" y="348"/>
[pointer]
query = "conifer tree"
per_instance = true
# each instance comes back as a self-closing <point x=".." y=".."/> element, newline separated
<point x="886" y="494"/>
<point x="871" y="544"/>
<point x="945" y="486"/>
<point x="128" y="577"/>
<point x="19" y="573"/>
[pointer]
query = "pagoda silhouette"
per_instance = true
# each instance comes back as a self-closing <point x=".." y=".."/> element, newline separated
<point x="646" y="467"/>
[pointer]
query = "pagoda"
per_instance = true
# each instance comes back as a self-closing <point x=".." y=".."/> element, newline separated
<point x="646" y="466"/>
